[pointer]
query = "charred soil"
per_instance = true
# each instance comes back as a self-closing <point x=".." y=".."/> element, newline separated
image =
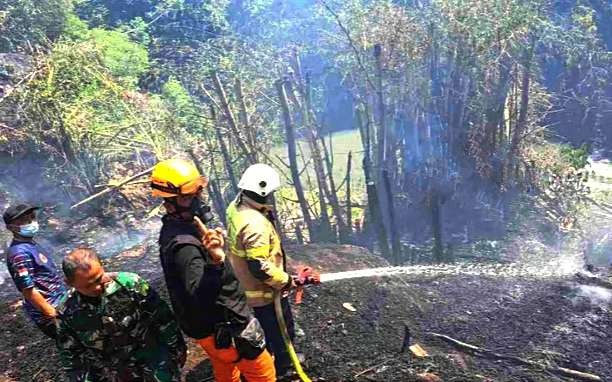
<point x="550" y="321"/>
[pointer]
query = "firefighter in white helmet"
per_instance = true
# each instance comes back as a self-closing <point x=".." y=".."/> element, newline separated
<point x="258" y="258"/>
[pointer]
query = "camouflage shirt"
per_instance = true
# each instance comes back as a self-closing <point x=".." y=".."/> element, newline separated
<point x="127" y="334"/>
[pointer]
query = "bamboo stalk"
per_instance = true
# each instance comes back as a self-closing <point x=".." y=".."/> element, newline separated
<point x="112" y="188"/>
<point x="291" y="147"/>
<point x="229" y="114"/>
<point x="349" y="212"/>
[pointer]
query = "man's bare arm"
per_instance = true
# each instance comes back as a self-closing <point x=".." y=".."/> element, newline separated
<point x="37" y="299"/>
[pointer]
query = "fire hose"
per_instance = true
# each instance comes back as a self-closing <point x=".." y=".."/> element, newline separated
<point x="304" y="276"/>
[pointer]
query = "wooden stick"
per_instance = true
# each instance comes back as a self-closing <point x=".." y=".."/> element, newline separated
<point x="130" y="183"/>
<point x="478" y="351"/>
<point x="38" y="373"/>
<point x="369" y="369"/>
<point x="112" y="188"/>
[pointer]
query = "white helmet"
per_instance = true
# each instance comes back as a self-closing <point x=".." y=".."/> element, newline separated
<point x="260" y="179"/>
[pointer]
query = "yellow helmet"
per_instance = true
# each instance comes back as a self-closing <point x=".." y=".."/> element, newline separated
<point x="173" y="177"/>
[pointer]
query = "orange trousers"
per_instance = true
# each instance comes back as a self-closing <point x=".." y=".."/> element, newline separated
<point x="227" y="365"/>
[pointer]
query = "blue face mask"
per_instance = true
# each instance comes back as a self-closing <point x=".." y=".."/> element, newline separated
<point x="29" y="230"/>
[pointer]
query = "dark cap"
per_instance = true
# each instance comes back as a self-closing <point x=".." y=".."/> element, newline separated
<point x="16" y="211"/>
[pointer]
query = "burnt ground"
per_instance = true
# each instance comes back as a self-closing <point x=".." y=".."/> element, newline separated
<point x="549" y="321"/>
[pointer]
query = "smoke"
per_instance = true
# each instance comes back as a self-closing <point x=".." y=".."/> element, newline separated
<point x="3" y="273"/>
<point x="596" y="294"/>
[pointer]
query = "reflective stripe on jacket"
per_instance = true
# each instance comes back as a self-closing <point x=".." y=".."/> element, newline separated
<point x="254" y="243"/>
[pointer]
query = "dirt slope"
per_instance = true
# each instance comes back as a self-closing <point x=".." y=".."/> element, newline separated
<point x="549" y="320"/>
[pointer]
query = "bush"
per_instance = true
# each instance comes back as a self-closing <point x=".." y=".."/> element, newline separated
<point x="28" y="24"/>
<point x="125" y="59"/>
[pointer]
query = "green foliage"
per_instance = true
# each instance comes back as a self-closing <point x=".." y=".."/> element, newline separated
<point x="137" y="29"/>
<point x="577" y="158"/>
<point x="456" y="62"/>
<point x="181" y="105"/>
<point x="78" y="112"/>
<point x="27" y="24"/>
<point x="584" y="18"/>
<point x="124" y="58"/>
<point x="75" y="29"/>
<point x="113" y="13"/>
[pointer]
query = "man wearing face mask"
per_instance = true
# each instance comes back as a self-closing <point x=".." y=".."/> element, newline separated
<point x="205" y="294"/>
<point x="34" y="272"/>
<point x="115" y="329"/>
<point x="258" y="257"/>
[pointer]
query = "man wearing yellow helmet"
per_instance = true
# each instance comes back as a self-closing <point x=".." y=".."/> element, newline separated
<point x="205" y="294"/>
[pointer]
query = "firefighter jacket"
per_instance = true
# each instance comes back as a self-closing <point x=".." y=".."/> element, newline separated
<point x="255" y="252"/>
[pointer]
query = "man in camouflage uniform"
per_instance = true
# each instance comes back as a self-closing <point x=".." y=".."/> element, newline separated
<point x="115" y="329"/>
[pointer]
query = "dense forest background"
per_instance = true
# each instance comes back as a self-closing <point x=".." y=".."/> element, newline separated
<point x="411" y="127"/>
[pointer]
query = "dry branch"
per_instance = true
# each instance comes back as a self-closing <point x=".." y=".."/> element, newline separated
<point x="593" y="280"/>
<point x="369" y="369"/>
<point x="351" y="43"/>
<point x="482" y="352"/>
<point x="229" y="114"/>
<point x="291" y="148"/>
<point x="112" y="188"/>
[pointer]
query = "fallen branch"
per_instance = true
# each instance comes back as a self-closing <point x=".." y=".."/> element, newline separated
<point x="369" y="369"/>
<point x="593" y="280"/>
<point x="38" y="373"/>
<point x="112" y="184"/>
<point x="482" y="352"/>
<point x="112" y="188"/>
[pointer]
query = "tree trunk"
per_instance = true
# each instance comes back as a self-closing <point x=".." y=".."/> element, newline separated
<point x="333" y="196"/>
<point x="217" y="198"/>
<point x="381" y="136"/>
<point x="227" y="159"/>
<point x="213" y="189"/>
<point x="229" y="114"/>
<point x="395" y="241"/>
<point x="521" y="123"/>
<point x="319" y="157"/>
<point x="374" y="220"/>
<point x="349" y="212"/>
<point x="245" y="120"/>
<point x="436" y="226"/>
<point x="325" y="230"/>
<point x="291" y="148"/>
<point x="299" y="236"/>
<point x="374" y="208"/>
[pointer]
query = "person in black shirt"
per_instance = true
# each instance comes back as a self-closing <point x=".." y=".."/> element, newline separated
<point x="205" y="294"/>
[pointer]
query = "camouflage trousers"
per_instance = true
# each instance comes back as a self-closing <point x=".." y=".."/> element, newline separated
<point x="158" y="372"/>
